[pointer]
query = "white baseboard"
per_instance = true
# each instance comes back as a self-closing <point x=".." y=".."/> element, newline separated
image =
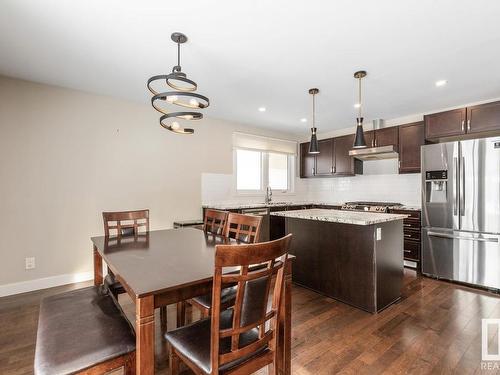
<point x="46" y="282"/>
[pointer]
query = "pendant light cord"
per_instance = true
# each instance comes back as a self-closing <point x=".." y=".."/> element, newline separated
<point x="314" y="111"/>
<point x="359" y="97"/>
<point x="179" y="54"/>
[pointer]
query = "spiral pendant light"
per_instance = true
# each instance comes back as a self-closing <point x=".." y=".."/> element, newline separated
<point x="182" y="94"/>
<point x="359" y="139"/>
<point x="313" y="145"/>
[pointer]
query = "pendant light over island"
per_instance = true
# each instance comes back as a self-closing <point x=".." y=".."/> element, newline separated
<point x="313" y="145"/>
<point x="359" y="139"/>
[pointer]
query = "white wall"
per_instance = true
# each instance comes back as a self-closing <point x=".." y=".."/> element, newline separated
<point x="66" y="156"/>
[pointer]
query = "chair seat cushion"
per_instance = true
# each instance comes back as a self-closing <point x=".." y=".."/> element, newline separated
<point x="113" y="285"/>
<point x="227" y="298"/>
<point x="80" y="329"/>
<point x="194" y="340"/>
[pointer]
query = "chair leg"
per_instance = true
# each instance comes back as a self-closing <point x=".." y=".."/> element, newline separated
<point x="129" y="368"/>
<point x="174" y="362"/>
<point x="163" y="318"/>
<point x="181" y="314"/>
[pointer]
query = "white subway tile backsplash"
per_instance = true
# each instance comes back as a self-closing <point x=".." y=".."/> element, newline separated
<point x="402" y="188"/>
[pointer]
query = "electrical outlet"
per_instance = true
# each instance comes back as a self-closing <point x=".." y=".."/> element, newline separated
<point x="29" y="263"/>
<point x="379" y="234"/>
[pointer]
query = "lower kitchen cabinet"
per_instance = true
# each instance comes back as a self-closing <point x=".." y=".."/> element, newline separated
<point x="411" y="232"/>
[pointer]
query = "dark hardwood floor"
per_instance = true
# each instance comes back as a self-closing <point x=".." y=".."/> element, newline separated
<point x="434" y="329"/>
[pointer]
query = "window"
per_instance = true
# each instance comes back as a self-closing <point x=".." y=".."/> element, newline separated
<point x="255" y="170"/>
<point x="260" y="162"/>
<point x="248" y="170"/>
<point x="278" y="171"/>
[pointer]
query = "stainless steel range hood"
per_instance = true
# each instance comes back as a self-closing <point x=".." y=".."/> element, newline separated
<point x="375" y="153"/>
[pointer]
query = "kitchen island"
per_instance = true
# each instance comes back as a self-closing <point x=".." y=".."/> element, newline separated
<point x="354" y="257"/>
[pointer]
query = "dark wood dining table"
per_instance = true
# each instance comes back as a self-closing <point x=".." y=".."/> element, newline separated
<point x="168" y="266"/>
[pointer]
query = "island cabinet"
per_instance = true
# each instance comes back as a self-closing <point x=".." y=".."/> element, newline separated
<point x="483" y="119"/>
<point x="411" y="138"/>
<point x="358" y="264"/>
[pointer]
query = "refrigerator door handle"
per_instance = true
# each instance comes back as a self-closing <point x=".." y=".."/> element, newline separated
<point x="455" y="187"/>
<point x="462" y="188"/>
<point x="480" y="239"/>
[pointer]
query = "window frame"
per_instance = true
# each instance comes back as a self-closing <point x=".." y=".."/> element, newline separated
<point x="264" y="174"/>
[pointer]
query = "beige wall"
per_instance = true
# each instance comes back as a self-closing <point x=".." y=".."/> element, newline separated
<point x="66" y="156"/>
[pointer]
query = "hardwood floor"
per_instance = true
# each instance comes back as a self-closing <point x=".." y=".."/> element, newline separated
<point x="434" y="329"/>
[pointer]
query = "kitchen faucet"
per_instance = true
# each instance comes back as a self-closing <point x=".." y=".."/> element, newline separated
<point x="269" y="195"/>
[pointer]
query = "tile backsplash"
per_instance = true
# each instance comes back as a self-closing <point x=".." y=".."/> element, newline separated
<point x="402" y="188"/>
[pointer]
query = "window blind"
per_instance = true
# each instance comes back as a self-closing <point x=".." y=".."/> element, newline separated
<point x="261" y="143"/>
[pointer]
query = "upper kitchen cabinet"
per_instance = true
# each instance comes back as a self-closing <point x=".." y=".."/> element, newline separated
<point x="483" y="118"/>
<point x="370" y="138"/>
<point x="307" y="161"/>
<point x="386" y="137"/>
<point x="345" y="165"/>
<point x="445" y="124"/>
<point x="325" y="162"/>
<point x="411" y="137"/>
<point x="333" y="159"/>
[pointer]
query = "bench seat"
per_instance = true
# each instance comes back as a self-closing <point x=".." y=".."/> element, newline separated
<point x="81" y="329"/>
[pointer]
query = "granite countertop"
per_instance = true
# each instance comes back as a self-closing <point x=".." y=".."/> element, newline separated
<point x="337" y="216"/>
<point x="236" y="206"/>
<point x="410" y="208"/>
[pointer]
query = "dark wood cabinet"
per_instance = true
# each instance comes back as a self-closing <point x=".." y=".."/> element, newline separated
<point x="345" y="165"/>
<point x="325" y="159"/>
<point x="411" y="138"/>
<point x="370" y="138"/>
<point x="411" y="233"/>
<point x="445" y="124"/>
<point x="483" y="118"/>
<point x="387" y="136"/>
<point x="332" y="160"/>
<point x="307" y="161"/>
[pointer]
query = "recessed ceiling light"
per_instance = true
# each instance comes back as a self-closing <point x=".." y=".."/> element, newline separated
<point x="357" y="105"/>
<point x="262" y="109"/>
<point x="441" y="82"/>
<point x="303" y="119"/>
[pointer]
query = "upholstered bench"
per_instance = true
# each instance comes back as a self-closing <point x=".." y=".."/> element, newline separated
<point x="83" y="331"/>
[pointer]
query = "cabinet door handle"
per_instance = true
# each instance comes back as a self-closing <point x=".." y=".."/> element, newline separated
<point x="331" y="169"/>
<point x="463" y="126"/>
<point x="468" y="125"/>
<point x="312" y="170"/>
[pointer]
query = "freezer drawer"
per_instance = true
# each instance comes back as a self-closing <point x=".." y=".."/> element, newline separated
<point x="472" y="258"/>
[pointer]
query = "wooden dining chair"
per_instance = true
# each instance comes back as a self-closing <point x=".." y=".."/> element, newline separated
<point x="118" y="224"/>
<point x="242" y="339"/>
<point x="245" y="228"/>
<point x="214" y="221"/>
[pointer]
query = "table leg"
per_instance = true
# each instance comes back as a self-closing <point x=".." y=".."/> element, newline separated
<point x="98" y="280"/>
<point x="145" y="335"/>
<point x="284" y="363"/>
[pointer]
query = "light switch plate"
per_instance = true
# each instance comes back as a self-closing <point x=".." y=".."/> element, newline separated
<point x="379" y="234"/>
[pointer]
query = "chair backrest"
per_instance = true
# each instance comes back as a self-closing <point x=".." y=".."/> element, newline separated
<point x="215" y="221"/>
<point x="124" y="223"/>
<point x="259" y="264"/>
<point x="244" y="228"/>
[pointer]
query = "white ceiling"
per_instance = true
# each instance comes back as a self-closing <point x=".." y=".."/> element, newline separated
<point x="248" y="54"/>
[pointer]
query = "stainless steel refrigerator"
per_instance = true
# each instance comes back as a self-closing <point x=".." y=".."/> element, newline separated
<point x="461" y="211"/>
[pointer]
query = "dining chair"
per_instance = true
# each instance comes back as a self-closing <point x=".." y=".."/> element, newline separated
<point x="214" y="221"/>
<point x="118" y="224"/>
<point x="245" y="228"/>
<point x="244" y="338"/>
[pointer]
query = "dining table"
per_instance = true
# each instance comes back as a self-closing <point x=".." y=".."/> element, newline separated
<point x="163" y="267"/>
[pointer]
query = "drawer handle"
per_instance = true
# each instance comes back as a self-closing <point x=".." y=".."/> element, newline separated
<point x="407" y="235"/>
<point x="407" y="251"/>
<point x="407" y="225"/>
